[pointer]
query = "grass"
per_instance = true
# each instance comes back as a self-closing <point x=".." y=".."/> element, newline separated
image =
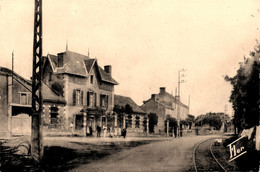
<point x="61" y="155"/>
<point x="247" y="162"/>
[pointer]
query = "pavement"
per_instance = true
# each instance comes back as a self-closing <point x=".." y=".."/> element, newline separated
<point x="101" y="140"/>
<point x="170" y="154"/>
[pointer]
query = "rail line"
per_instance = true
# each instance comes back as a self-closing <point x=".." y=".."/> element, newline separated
<point x="211" y="152"/>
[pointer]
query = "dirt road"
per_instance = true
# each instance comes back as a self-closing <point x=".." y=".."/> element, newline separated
<point x="174" y="154"/>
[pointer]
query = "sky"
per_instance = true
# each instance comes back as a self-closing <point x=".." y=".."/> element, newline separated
<point x="145" y="41"/>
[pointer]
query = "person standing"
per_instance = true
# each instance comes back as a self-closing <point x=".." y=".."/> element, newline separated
<point x="124" y="132"/>
<point x="105" y="130"/>
<point x="98" y="131"/>
<point x="71" y="129"/>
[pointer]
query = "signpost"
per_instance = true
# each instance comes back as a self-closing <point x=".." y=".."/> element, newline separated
<point x="238" y="147"/>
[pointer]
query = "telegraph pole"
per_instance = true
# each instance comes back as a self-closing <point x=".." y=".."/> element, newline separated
<point x="224" y="117"/>
<point x="36" y="133"/>
<point x="178" y="107"/>
<point x="179" y="98"/>
<point x="13" y="68"/>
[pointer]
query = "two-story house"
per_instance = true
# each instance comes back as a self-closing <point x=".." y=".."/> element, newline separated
<point x="87" y="88"/>
<point x="164" y="104"/>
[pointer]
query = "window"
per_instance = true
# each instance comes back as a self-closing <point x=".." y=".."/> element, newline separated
<point x="54" y="117"/>
<point x="79" y="122"/>
<point x="77" y="97"/>
<point x="91" y="79"/>
<point x="24" y="98"/>
<point x="103" y="101"/>
<point x="129" y="121"/>
<point x="137" y="122"/>
<point x="91" y="99"/>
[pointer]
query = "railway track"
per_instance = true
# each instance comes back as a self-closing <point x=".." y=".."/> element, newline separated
<point x="204" y="158"/>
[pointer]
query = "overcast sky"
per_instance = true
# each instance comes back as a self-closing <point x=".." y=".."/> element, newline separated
<point x="145" y="41"/>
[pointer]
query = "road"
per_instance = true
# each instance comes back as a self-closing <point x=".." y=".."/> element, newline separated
<point x="173" y="154"/>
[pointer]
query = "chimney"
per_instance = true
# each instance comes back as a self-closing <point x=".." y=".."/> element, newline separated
<point x="153" y="97"/>
<point x="162" y="90"/>
<point x="108" y="69"/>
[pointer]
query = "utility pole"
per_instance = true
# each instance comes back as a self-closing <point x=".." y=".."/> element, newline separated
<point x="224" y="117"/>
<point x="36" y="133"/>
<point x="12" y="67"/>
<point x="180" y="75"/>
<point x="189" y="105"/>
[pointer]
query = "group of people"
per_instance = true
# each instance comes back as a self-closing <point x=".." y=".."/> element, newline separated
<point x="106" y="132"/>
<point x="89" y="131"/>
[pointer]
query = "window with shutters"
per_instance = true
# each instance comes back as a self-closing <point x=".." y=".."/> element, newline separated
<point x="91" y="99"/>
<point x="77" y="97"/>
<point x="103" y="101"/>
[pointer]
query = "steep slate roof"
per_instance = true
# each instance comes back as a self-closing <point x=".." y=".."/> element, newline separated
<point x="167" y="104"/>
<point x="122" y="101"/>
<point x="89" y="64"/>
<point x="26" y="83"/>
<point x="78" y="64"/>
<point x="106" y="77"/>
<point x="47" y="94"/>
<point x="155" y="103"/>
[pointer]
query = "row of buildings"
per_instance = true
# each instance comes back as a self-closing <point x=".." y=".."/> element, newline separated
<point x="77" y="90"/>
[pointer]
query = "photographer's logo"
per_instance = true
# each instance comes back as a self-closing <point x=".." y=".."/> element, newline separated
<point x="237" y="148"/>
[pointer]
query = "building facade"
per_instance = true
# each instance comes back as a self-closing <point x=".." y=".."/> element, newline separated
<point x="135" y="122"/>
<point x="15" y="105"/>
<point x="164" y="104"/>
<point x="87" y="89"/>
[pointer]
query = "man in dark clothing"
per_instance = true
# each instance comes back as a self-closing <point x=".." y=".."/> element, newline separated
<point x="90" y="131"/>
<point x="98" y="131"/>
<point x="124" y="132"/>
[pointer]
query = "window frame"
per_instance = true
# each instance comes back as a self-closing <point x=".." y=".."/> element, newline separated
<point x="26" y="99"/>
<point x="91" y="79"/>
<point x="54" y="111"/>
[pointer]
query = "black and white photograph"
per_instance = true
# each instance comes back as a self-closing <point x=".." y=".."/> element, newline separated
<point x="129" y="85"/>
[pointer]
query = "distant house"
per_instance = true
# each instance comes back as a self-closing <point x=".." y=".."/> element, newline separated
<point x="134" y="122"/>
<point x="87" y="89"/>
<point x="164" y="104"/>
<point x="15" y="105"/>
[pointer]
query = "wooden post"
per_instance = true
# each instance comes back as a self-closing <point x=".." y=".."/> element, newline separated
<point x="167" y="128"/>
<point x="10" y="96"/>
<point x="124" y="118"/>
<point x="147" y="125"/>
<point x="115" y="127"/>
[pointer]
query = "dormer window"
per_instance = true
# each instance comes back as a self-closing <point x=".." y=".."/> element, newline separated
<point x="24" y="98"/>
<point x="91" y="79"/>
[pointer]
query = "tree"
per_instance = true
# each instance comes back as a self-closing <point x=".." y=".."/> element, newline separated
<point x="245" y="93"/>
<point x="212" y="119"/>
<point x="153" y="120"/>
<point x="172" y="123"/>
<point x="121" y="110"/>
<point x="190" y="120"/>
